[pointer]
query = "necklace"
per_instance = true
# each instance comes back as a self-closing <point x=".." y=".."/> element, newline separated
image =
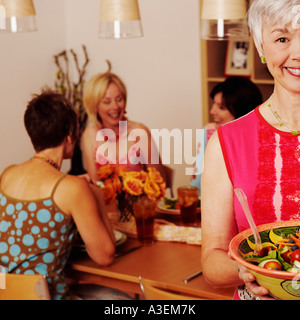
<point x="281" y="123"/>
<point x="51" y="162"/>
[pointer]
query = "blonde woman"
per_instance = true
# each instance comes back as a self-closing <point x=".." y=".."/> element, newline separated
<point x="109" y="136"/>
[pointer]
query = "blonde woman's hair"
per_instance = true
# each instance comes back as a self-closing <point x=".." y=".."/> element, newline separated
<point x="95" y="91"/>
<point x="272" y="11"/>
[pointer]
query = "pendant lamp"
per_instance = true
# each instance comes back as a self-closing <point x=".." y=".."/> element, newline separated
<point x="120" y="19"/>
<point x="224" y="20"/>
<point x="17" y="16"/>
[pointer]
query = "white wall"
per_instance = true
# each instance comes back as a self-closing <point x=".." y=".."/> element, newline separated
<point x="26" y="65"/>
<point x="161" y="70"/>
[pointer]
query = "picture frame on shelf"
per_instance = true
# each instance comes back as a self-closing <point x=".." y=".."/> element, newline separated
<point x="238" y="59"/>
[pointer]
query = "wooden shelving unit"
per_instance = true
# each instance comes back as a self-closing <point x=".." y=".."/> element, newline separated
<point x="213" y="58"/>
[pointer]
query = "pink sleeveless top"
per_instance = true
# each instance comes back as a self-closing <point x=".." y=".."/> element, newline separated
<point x="129" y="160"/>
<point x="265" y="163"/>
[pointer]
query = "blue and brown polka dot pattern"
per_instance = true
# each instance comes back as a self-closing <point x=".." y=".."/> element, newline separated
<point x="36" y="237"/>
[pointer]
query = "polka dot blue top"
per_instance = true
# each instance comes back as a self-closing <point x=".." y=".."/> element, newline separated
<point x="36" y="237"/>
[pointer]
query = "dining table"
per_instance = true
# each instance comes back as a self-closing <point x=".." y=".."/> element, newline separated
<point x="165" y="263"/>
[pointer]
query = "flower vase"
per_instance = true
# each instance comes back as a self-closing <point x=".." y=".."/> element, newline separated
<point x="125" y="205"/>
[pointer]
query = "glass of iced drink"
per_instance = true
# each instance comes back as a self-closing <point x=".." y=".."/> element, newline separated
<point x="187" y="198"/>
<point x="144" y="213"/>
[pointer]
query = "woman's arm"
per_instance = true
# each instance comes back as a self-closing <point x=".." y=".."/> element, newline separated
<point x="102" y="209"/>
<point x="74" y="196"/>
<point x="87" y="143"/>
<point x="217" y="219"/>
<point x="218" y="225"/>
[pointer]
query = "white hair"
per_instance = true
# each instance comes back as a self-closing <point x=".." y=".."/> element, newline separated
<point x="272" y="12"/>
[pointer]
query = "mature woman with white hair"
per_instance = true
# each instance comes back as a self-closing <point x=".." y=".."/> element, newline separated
<point x="259" y="152"/>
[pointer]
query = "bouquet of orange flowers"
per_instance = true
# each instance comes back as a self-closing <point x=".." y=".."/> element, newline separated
<point x="117" y="183"/>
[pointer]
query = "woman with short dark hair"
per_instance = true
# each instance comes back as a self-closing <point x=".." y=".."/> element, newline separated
<point x="232" y="99"/>
<point x="42" y="207"/>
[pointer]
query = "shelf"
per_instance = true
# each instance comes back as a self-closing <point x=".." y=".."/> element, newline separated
<point x="259" y="81"/>
<point x="217" y="79"/>
<point x="213" y="58"/>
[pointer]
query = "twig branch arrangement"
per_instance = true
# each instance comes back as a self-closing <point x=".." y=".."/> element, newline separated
<point x="70" y="89"/>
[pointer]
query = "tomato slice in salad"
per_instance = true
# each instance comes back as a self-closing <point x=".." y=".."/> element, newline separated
<point x="295" y="255"/>
<point x="286" y="256"/>
<point x="272" y="265"/>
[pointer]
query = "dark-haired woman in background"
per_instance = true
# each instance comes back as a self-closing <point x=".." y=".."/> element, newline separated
<point x="232" y="99"/>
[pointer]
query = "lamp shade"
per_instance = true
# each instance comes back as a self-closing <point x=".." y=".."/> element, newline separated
<point x="120" y="19"/>
<point x="17" y="16"/>
<point x="224" y="19"/>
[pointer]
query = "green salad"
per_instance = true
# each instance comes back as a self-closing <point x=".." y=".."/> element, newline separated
<point x="283" y="255"/>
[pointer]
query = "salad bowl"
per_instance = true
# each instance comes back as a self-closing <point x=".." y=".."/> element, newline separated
<point x="276" y="267"/>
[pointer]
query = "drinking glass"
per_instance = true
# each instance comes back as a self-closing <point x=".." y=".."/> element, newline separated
<point x="144" y="213"/>
<point x="188" y="198"/>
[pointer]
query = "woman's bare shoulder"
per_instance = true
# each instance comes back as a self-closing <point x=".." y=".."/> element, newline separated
<point x="8" y="174"/>
<point x="73" y="184"/>
<point x="213" y="147"/>
<point x="88" y="137"/>
<point x="132" y="125"/>
<point x="89" y="131"/>
<point x="72" y="189"/>
<point x="135" y="125"/>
